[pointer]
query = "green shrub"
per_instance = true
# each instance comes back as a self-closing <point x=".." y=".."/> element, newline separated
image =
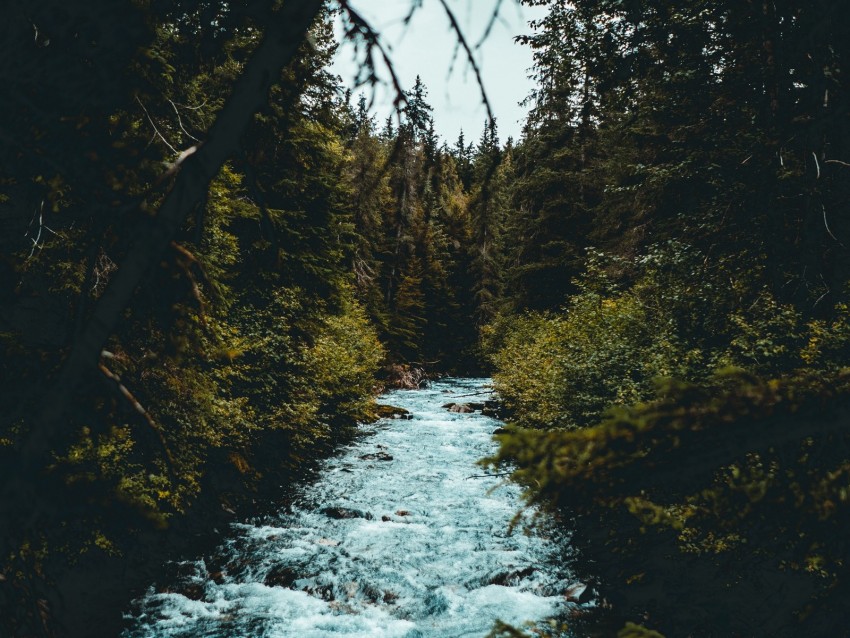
<point x="604" y="349"/>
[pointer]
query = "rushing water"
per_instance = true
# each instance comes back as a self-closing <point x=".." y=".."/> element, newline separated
<point x="427" y="552"/>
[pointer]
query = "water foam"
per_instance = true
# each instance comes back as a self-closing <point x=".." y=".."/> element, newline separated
<point x="425" y="553"/>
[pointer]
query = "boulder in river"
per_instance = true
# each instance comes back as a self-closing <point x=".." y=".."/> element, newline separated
<point x="345" y="512"/>
<point x="383" y="411"/>
<point x="460" y="408"/>
<point x="512" y="578"/>
<point x="487" y="408"/>
<point x="280" y="576"/>
<point x="579" y="593"/>
<point x="217" y="577"/>
<point x="404" y="377"/>
<point x="377" y="456"/>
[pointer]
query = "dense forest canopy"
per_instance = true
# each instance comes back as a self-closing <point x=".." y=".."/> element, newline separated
<point x="212" y="255"/>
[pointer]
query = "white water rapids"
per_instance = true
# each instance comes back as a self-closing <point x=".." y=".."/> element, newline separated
<point x="427" y="552"/>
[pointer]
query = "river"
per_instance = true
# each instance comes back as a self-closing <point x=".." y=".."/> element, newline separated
<point x="401" y="535"/>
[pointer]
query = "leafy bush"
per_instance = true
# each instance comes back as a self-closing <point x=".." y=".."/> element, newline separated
<point x="606" y="348"/>
<point x="700" y="493"/>
<point x="719" y="505"/>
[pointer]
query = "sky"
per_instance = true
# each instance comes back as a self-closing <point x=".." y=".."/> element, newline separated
<point x="425" y="48"/>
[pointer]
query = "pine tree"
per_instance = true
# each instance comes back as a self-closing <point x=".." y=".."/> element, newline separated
<point x="487" y="214"/>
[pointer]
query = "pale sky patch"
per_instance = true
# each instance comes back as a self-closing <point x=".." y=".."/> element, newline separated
<point x="426" y="47"/>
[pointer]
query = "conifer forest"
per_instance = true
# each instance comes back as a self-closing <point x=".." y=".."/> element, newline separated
<point x="229" y="290"/>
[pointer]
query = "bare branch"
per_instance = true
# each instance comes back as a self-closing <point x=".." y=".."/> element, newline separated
<point x="194" y="108"/>
<point x="455" y="25"/>
<point x="414" y="6"/>
<point x="495" y="16"/>
<point x="180" y="122"/>
<point x="103" y="269"/>
<point x="823" y="296"/>
<point x="495" y="474"/>
<point x="826" y="224"/>
<point x="360" y="29"/>
<point x="37" y="242"/>
<point x="155" y="129"/>
<point x="138" y="408"/>
<point x="834" y="161"/>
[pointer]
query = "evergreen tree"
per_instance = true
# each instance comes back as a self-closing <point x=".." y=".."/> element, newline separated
<point x="690" y="143"/>
<point x="417" y="113"/>
<point x="487" y="214"/>
<point x="462" y="154"/>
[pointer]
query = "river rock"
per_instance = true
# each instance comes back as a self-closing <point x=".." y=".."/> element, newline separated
<point x="280" y="576"/>
<point x="512" y="578"/>
<point x="351" y="588"/>
<point x="383" y="411"/>
<point x="345" y="512"/>
<point x="578" y="593"/>
<point x="501" y="431"/>
<point x="193" y="590"/>
<point x="404" y="377"/>
<point x="460" y="408"/>
<point x="325" y="592"/>
<point x="377" y="456"/>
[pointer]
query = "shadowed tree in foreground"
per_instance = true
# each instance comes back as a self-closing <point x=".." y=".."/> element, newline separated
<point x="182" y="326"/>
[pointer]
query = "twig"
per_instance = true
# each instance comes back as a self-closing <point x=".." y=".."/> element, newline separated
<point x="37" y="241"/>
<point x="155" y="129"/>
<point x="194" y="108"/>
<point x="360" y="28"/>
<point x="185" y="261"/>
<point x="494" y="17"/>
<point x="180" y="122"/>
<point x="826" y="224"/>
<point x="455" y="25"/>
